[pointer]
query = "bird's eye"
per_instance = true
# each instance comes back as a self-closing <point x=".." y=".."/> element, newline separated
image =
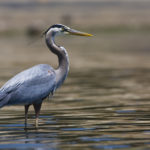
<point x="64" y="29"/>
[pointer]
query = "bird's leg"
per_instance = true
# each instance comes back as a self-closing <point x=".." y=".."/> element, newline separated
<point x="26" y="114"/>
<point x="37" y="108"/>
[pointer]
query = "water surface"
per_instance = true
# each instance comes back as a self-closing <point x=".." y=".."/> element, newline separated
<point x="95" y="109"/>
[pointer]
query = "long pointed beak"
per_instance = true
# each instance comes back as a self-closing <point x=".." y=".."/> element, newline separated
<point x="75" y="32"/>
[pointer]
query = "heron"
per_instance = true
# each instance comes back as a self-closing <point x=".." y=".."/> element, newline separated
<point x="33" y="85"/>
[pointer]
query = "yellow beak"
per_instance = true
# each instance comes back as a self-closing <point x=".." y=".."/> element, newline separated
<point x="75" y="32"/>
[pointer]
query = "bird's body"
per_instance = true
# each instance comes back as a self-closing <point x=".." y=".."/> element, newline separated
<point x="33" y="85"/>
<point x="30" y="86"/>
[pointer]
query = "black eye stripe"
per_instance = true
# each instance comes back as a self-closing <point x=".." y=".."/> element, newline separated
<point x="64" y="29"/>
<point x="56" y="26"/>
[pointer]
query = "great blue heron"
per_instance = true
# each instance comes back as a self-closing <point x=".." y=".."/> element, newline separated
<point x="33" y="85"/>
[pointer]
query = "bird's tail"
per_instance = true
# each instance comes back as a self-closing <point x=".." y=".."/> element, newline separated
<point x="3" y="99"/>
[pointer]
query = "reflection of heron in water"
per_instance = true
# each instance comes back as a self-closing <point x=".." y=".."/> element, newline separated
<point x="33" y="85"/>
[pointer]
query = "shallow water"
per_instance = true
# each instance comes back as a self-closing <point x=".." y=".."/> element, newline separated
<point x="94" y="109"/>
<point x="99" y="106"/>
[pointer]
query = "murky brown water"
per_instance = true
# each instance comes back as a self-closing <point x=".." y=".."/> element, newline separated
<point x="95" y="109"/>
<point x="105" y="101"/>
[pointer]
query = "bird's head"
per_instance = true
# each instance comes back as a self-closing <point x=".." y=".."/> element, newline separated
<point x="59" y="29"/>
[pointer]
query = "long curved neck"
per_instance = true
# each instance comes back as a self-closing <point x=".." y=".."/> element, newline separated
<point x="63" y="67"/>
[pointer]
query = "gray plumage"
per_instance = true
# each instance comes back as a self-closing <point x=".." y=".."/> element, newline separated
<point x="28" y="87"/>
<point x="33" y="85"/>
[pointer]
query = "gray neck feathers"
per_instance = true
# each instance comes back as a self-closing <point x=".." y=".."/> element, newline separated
<point x="63" y="68"/>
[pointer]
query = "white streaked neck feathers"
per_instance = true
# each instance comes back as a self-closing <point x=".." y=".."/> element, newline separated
<point x="63" y="68"/>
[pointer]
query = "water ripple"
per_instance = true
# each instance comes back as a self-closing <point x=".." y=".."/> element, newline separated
<point x="93" y="115"/>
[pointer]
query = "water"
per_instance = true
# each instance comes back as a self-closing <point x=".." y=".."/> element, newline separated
<point x="95" y="109"/>
<point x="99" y="106"/>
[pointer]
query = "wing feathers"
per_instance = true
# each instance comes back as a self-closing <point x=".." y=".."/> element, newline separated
<point x="28" y="86"/>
